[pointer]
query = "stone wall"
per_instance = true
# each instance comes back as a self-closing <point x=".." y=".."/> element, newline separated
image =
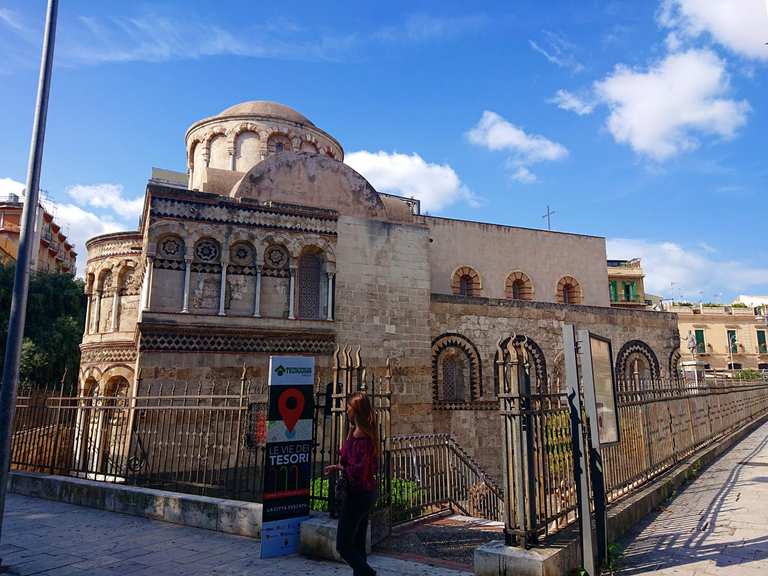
<point x="382" y="296"/>
<point x="483" y="321"/>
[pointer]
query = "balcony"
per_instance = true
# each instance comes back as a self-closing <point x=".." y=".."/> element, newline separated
<point x="633" y="301"/>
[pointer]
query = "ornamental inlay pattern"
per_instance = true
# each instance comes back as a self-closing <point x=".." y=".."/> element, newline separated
<point x="162" y="342"/>
<point x="259" y="217"/>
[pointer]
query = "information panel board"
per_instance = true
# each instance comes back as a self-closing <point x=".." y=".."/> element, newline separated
<point x="288" y="460"/>
<point x="605" y="389"/>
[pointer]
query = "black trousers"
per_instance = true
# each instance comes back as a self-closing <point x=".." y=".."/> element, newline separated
<point x="353" y="525"/>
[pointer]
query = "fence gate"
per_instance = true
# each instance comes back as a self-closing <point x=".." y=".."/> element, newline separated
<point x="348" y="375"/>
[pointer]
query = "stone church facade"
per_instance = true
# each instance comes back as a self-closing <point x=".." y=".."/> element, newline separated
<point x="270" y="244"/>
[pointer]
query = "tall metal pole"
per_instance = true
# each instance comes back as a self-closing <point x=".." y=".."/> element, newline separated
<point x="26" y="245"/>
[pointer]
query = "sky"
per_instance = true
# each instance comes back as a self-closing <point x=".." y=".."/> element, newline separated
<point x="641" y="121"/>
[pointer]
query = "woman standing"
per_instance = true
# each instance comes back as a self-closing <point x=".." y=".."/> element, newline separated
<point x="358" y="464"/>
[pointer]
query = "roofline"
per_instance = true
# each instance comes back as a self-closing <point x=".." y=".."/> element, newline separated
<point x="511" y="227"/>
<point x="112" y="235"/>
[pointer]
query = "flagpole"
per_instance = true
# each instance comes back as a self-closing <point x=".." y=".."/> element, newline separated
<point x="17" y="318"/>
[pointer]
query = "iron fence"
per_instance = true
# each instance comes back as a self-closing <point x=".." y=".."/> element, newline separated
<point x="662" y="422"/>
<point x="206" y="440"/>
<point x="431" y="474"/>
<point x="347" y="375"/>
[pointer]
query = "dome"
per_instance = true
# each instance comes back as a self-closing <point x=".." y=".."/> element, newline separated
<point x="267" y="109"/>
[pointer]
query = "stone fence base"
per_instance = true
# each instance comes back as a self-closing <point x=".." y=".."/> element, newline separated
<point x="562" y="554"/>
<point x="219" y="514"/>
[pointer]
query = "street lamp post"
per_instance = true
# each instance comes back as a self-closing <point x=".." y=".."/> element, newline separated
<point x="26" y="244"/>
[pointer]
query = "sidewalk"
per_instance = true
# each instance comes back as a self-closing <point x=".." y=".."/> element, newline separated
<point x="717" y="526"/>
<point x="56" y="539"/>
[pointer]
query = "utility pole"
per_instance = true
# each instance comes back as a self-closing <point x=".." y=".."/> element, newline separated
<point x="26" y="244"/>
<point x="548" y="216"/>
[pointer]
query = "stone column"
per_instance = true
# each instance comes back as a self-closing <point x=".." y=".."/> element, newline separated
<point x="187" y="273"/>
<point x="257" y="294"/>
<point x="291" y="293"/>
<point x="331" y="276"/>
<point x="115" y="306"/>
<point x="149" y="273"/>
<point x="146" y="286"/>
<point x="97" y="316"/>
<point x="223" y="288"/>
<point x="88" y="313"/>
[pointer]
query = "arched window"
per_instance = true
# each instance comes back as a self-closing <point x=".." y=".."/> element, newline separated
<point x="537" y="365"/>
<point x="454" y="381"/>
<point x="518" y="286"/>
<point x="636" y="362"/>
<point x="456" y="372"/>
<point x="466" y="282"/>
<point x="569" y="291"/>
<point x="310" y="276"/>
<point x="278" y="143"/>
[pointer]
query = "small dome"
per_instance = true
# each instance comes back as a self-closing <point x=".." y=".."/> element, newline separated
<point x="268" y="109"/>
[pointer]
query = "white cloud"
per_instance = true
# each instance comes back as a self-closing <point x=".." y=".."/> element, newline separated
<point x="571" y="102"/>
<point x="558" y="51"/>
<point x="435" y="185"/>
<point x="659" y="111"/>
<point x="11" y="186"/>
<point x="79" y="225"/>
<point x="152" y="37"/>
<point x="422" y="27"/>
<point x="522" y="174"/>
<point x="739" y="25"/>
<point x="675" y="271"/>
<point x="108" y="196"/>
<point x="496" y="133"/>
<point x="11" y="19"/>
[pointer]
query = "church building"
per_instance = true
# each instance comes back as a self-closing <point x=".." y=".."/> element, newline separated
<point x="270" y="244"/>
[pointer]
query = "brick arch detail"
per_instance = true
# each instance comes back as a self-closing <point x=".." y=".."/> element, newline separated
<point x="453" y="340"/>
<point x="573" y="285"/>
<point x="526" y="286"/>
<point x="476" y="285"/>
<point x="537" y="359"/>
<point x="641" y="348"/>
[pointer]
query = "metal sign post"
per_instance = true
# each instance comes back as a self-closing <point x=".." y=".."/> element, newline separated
<point x="580" y="454"/>
<point x="589" y="363"/>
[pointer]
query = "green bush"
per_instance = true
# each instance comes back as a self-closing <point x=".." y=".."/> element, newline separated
<point x="749" y="374"/>
<point x="404" y="496"/>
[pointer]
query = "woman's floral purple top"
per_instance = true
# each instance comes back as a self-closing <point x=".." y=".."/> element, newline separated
<point x="359" y="463"/>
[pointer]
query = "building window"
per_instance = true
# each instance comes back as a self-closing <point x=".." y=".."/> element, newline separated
<point x="762" y="366"/>
<point x="701" y="344"/>
<point x="466" y="282"/>
<point x="733" y="345"/>
<point x="568" y="291"/>
<point x="630" y="291"/>
<point x="279" y="147"/>
<point x="614" y="291"/>
<point x="518" y="286"/>
<point x="454" y="376"/>
<point x="310" y="276"/>
<point x="762" y="345"/>
<point x="734" y="366"/>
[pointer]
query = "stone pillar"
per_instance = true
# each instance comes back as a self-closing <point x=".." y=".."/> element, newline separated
<point x="291" y="293"/>
<point x="223" y="289"/>
<point x="88" y="313"/>
<point x="331" y="276"/>
<point x="146" y="286"/>
<point x="257" y="294"/>
<point x="115" y="306"/>
<point x="97" y="316"/>
<point x="150" y="274"/>
<point x="187" y="273"/>
<point x="231" y="152"/>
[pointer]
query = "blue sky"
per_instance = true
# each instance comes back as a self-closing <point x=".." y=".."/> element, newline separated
<point x="643" y="122"/>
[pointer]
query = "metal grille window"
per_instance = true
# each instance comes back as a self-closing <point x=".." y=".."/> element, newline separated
<point x="465" y="285"/>
<point x="454" y="377"/>
<point x="309" y="276"/>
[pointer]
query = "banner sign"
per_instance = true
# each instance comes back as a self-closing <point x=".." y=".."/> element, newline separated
<point x="287" y="466"/>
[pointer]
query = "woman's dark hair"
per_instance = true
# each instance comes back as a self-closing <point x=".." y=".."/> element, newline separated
<point x="365" y="417"/>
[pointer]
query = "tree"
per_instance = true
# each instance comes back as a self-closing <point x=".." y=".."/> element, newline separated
<point x="54" y="326"/>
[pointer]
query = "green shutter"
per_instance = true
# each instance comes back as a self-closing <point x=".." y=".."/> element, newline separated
<point x="762" y="346"/>
<point x="633" y="291"/>
<point x="701" y="345"/>
<point x="614" y="291"/>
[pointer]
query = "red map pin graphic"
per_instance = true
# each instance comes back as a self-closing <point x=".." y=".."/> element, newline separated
<point x="290" y="411"/>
